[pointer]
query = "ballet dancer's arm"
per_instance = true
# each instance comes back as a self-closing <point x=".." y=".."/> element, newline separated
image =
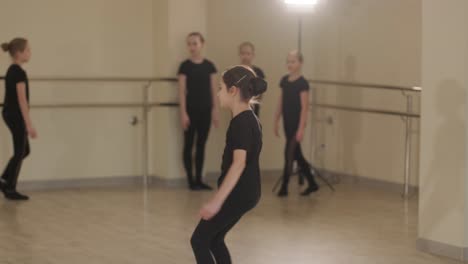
<point x="210" y="209"/>
<point x="278" y="114"/>
<point x="304" y="114"/>
<point x="24" y="107"/>
<point x="184" y="118"/>
<point x="214" y="92"/>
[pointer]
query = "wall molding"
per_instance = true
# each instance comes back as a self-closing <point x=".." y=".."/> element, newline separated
<point x="337" y="177"/>
<point x="52" y="184"/>
<point x="155" y="180"/>
<point x="442" y="249"/>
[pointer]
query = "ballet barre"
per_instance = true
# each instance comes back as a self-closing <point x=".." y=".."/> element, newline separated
<point x="407" y="116"/>
<point x="145" y="104"/>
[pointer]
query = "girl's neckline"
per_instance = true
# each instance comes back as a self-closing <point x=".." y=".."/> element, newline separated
<point x="241" y="113"/>
<point x="294" y="80"/>
<point x="197" y="63"/>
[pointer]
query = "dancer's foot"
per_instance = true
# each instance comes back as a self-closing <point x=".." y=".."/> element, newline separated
<point x="310" y="189"/>
<point x="204" y="186"/>
<point x="194" y="187"/>
<point x="283" y="191"/>
<point x="14" y="195"/>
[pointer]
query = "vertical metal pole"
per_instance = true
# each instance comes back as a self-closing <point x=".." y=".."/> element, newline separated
<point x="408" y="131"/>
<point x="145" y="141"/>
<point x="145" y="151"/>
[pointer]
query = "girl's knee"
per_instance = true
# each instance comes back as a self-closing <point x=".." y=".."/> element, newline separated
<point x="199" y="241"/>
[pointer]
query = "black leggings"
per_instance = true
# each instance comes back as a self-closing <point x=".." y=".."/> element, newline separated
<point x="208" y="238"/>
<point x="200" y="123"/>
<point x="293" y="152"/>
<point x="21" y="149"/>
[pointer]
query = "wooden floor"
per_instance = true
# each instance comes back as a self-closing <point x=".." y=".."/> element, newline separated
<point x="357" y="224"/>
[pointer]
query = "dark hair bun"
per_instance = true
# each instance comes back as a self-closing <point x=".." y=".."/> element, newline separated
<point x="258" y="86"/>
<point x="6" y="47"/>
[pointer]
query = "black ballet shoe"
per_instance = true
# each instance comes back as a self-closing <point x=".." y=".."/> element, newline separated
<point x="2" y="185"/>
<point x="15" y="196"/>
<point x="283" y="192"/>
<point x="194" y="187"/>
<point x="301" y="179"/>
<point x="205" y="187"/>
<point x="310" y="174"/>
<point x="310" y="189"/>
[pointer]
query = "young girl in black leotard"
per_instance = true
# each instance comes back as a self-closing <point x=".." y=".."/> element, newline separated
<point x="247" y="55"/>
<point x="198" y="107"/>
<point x="239" y="183"/>
<point x="16" y="115"/>
<point x="293" y="105"/>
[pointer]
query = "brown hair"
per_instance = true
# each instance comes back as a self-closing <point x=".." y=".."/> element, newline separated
<point x="15" y="46"/>
<point x="247" y="44"/>
<point x="246" y="80"/>
<point x="197" y="34"/>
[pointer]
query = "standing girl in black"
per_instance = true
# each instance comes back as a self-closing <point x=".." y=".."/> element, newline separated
<point x="198" y="107"/>
<point x="293" y="105"/>
<point x="247" y="55"/>
<point x="16" y="115"/>
<point x="239" y="184"/>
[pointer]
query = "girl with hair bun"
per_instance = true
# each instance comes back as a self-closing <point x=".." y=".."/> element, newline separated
<point x="16" y="115"/>
<point x="239" y="187"/>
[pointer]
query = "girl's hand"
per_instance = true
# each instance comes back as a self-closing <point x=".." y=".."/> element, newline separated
<point x="209" y="210"/>
<point x="185" y="120"/>
<point x="215" y="118"/>
<point x="300" y="135"/>
<point x="276" y="129"/>
<point x="31" y="132"/>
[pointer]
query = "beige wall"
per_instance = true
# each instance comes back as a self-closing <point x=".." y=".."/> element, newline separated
<point x="81" y="38"/>
<point x="444" y="176"/>
<point x="354" y="41"/>
<point x="363" y="41"/>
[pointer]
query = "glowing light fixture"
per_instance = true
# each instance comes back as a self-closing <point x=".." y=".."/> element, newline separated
<point x="301" y="6"/>
<point x="301" y="2"/>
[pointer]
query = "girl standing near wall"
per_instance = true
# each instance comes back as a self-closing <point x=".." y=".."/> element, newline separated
<point x="247" y="55"/>
<point x="198" y="107"/>
<point x="16" y="115"/>
<point x="293" y="105"/>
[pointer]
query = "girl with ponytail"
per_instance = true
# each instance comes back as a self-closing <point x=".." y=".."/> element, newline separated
<point x="16" y="115"/>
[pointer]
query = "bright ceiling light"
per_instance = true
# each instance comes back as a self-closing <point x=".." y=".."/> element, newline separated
<point x="301" y="6"/>
<point x="301" y="2"/>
